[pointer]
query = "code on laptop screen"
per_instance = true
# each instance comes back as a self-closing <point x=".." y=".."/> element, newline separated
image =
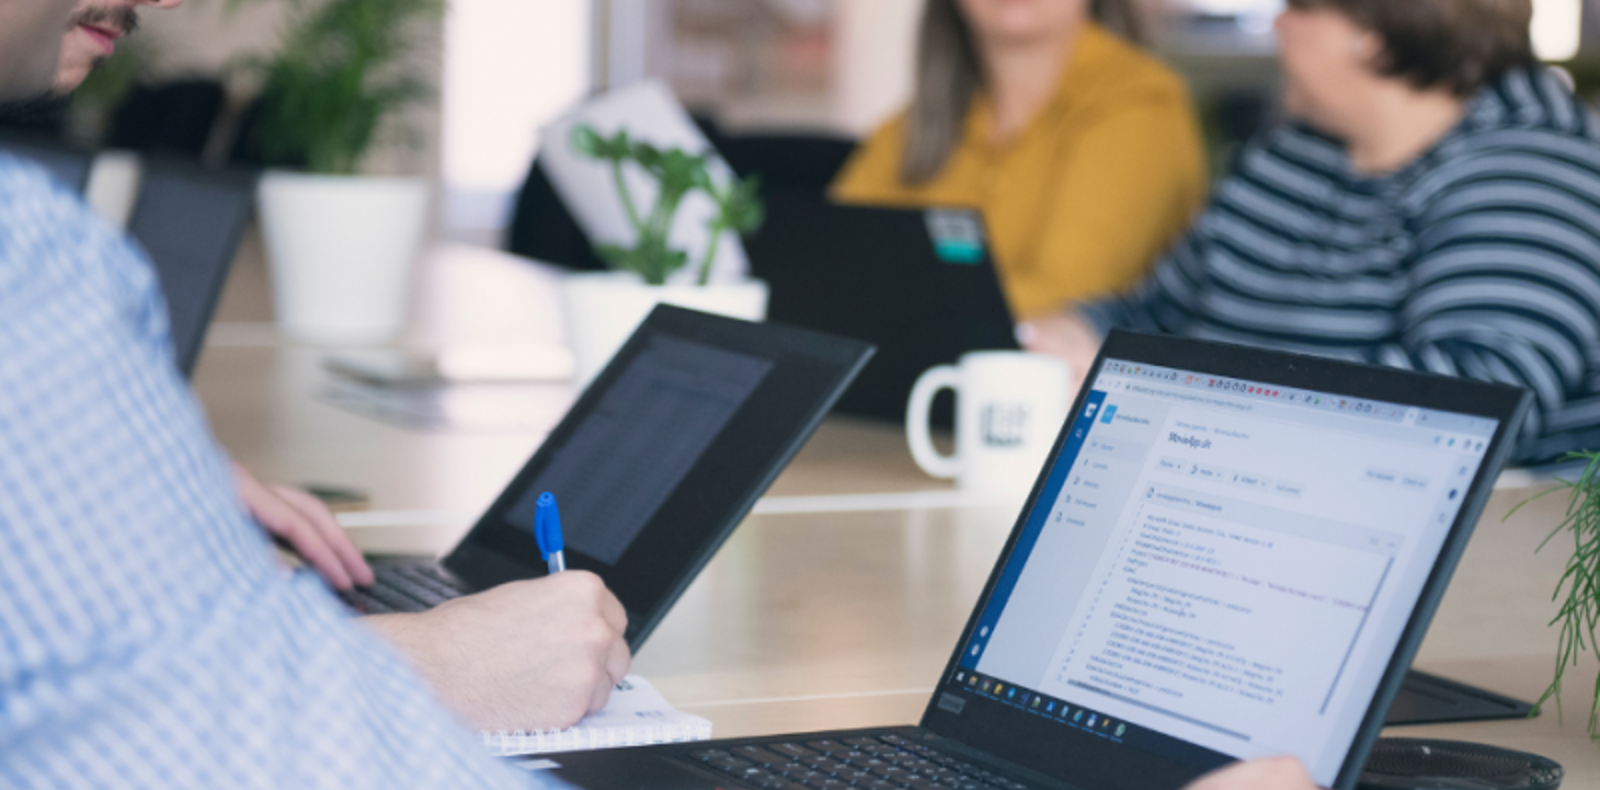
<point x="1225" y="562"/>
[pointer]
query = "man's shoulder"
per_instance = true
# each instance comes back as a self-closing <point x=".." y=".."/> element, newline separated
<point x="27" y="192"/>
<point x="51" y="239"/>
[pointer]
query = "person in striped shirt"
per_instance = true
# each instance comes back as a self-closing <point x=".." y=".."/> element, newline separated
<point x="1435" y="205"/>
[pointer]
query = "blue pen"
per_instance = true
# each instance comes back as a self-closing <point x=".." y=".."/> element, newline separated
<point x="547" y="530"/>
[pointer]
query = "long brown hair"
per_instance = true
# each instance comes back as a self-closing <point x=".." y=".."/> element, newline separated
<point x="948" y="74"/>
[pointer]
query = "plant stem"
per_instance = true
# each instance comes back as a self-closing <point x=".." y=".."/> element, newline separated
<point x="711" y="252"/>
<point x="627" y="197"/>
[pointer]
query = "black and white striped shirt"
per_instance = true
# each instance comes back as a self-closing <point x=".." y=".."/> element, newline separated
<point x="1480" y="259"/>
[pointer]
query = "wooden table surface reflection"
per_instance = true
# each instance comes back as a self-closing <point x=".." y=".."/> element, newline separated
<point x="819" y="620"/>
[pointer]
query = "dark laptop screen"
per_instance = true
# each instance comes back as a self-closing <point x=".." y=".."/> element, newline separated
<point x="664" y="454"/>
<point x="1219" y="567"/>
<point x="648" y="430"/>
<point x="189" y="221"/>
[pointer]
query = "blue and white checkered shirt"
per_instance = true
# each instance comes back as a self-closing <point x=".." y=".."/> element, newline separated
<point x="147" y="638"/>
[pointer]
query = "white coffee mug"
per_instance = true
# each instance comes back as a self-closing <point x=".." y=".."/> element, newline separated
<point x="1010" y="406"/>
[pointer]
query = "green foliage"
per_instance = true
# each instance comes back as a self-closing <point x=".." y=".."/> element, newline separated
<point x="1578" y="592"/>
<point x="677" y="174"/>
<point x="109" y="83"/>
<point x="105" y="89"/>
<point x="341" y="74"/>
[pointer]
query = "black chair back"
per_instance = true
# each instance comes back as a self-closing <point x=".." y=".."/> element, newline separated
<point x="171" y="118"/>
<point x="789" y="164"/>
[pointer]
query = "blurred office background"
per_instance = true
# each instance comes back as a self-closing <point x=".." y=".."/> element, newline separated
<point x="833" y="69"/>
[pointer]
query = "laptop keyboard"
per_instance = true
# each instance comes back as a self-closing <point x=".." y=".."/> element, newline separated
<point x="404" y="588"/>
<point x="884" y="762"/>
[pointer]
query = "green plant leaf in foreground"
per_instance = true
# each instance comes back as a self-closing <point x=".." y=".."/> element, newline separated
<point x="1578" y="591"/>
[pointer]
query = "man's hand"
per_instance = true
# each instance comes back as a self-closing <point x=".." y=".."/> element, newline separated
<point x="302" y="521"/>
<point x="1066" y="336"/>
<point x="527" y="655"/>
<point x="1279" y="773"/>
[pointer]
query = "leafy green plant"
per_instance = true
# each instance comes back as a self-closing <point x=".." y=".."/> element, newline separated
<point x="677" y="174"/>
<point x="341" y="74"/>
<point x="106" y="87"/>
<point x="1578" y="592"/>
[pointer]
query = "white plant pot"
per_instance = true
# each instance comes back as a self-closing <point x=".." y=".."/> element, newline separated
<point x="342" y="251"/>
<point x="602" y="310"/>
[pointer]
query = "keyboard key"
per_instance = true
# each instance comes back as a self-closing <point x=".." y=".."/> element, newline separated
<point x="706" y="755"/>
<point x="827" y="746"/>
<point x="761" y="755"/>
<point x="791" y="749"/>
<point x="826" y="783"/>
<point x="732" y="765"/>
<point x="395" y="598"/>
<point x="828" y="766"/>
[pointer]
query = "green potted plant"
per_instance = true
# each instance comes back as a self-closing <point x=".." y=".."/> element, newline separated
<point x="676" y="204"/>
<point x="342" y="245"/>
<point x="1578" y="592"/>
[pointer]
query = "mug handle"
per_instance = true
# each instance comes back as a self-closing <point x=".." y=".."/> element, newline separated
<point x="918" y="432"/>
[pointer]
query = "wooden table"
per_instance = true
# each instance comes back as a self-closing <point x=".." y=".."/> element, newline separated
<point x="843" y="616"/>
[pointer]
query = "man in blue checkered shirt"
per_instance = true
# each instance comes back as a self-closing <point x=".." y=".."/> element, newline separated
<point x="147" y="639"/>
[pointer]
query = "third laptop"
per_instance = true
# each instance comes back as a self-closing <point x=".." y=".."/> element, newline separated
<point x="1231" y="553"/>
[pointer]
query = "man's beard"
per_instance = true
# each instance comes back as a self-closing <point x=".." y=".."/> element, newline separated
<point x="47" y="110"/>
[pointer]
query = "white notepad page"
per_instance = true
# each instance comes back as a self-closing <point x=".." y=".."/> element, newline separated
<point x="636" y="715"/>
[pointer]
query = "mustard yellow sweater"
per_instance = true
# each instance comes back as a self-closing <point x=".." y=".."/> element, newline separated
<point x="1082" y="201"/>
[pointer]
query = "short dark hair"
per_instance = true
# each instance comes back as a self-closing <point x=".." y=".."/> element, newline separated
<point x="1460" y="45"/>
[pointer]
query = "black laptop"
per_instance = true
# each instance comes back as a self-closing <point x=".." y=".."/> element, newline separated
<point x="917" y="283"/>
<point x="1232" y="553"/>
<point x="654" y="466"/>
<point x="189" y="220"/>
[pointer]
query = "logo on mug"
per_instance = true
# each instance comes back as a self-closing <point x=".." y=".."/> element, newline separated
<point x="1004" y="425"/>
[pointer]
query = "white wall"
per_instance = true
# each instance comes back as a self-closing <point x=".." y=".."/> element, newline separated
<point x="203" y="37"/>
<point x="1557" y="28"/>
<point x="510" y="66"/>
<point x="875" y="50"/>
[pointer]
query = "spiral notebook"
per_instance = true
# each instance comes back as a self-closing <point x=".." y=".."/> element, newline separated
<point x="636" y="715"/>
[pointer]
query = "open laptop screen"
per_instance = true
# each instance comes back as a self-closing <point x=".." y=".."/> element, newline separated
<point x="664" y="454"/>
<point x="1222" y="568"/>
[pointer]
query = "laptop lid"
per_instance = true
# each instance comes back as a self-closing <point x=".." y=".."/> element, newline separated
<point x="189" y="221"/>
<point x="664" y="454"/>
<point x="917" y="283"/>
<point x="1233" y="553"/>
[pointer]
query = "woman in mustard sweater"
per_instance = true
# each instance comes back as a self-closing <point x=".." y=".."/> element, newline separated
<point x="1081" y="151"/>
